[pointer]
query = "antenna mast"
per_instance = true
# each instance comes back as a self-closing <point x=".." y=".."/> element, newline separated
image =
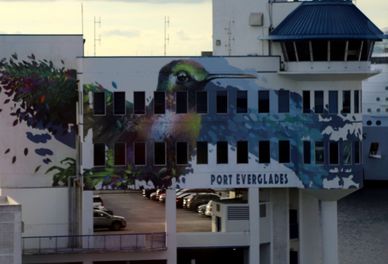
<point x="166" y="36"/>
<point x="229" y="32"/>
<point x="99" y="37"/>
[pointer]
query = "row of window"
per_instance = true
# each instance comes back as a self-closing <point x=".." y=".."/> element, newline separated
<point x="201" y="102"/>
<point x="348" y="150"/>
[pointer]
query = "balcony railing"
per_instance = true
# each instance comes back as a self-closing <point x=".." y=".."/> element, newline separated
<point x="94" y="243"/>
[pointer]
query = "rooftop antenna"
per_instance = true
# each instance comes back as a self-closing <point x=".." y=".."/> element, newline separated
<point x="166" y="36"/>
<point x="99" y="37"/>
<point x="229" y="32"/>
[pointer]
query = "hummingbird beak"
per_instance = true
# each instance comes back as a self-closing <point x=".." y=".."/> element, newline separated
<point x="230" y="76"/>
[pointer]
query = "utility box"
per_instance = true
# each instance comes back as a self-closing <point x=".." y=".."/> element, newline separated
<point x="256" y="19"/>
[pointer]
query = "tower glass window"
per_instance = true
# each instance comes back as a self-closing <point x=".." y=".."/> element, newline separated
<point x="181" y="102"/>
<point x="140" y="153"/>
<point x="284" y="101"/>
<point x="119" y="154"/>
<point x="347" y="152"/>
<point x="242" y="151"/>
<point x="181" y="153"/>
<point x="333" y="151"/>
<point x="99" y="103"/>
<point x="222" y="152"/>
<point x="307" y="152"/>
<point x="318" y="101"/>
<point x="346" y="102"/>
<point x="333" y="102"/>
<point x="99" y="154"/>
<point x="222" y="102"/>
<point x="284" y="151"/>
<point x="139" y="103"/>
<point x="242" y="102"/>
<point x="264" y="152"/>
<point x="159" y="102"/>
<point x="119" y="103"/>
<point x="356" y="102"/>
<point x="263" y="101"/>
<point x="159" y="153"/>
<point x="202" y="152"/>
<point x="306" y="102"/>
<point x="357" y="152"/>
<point x="201" y="102"/>
<point x="319" y="152"/>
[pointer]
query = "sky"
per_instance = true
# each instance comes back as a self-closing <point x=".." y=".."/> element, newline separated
<point x="132" y="27"/>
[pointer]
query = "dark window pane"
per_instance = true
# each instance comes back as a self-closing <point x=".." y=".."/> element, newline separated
<point x="99" y="154"/>
<point x="289" y="45"/>
<point x="139" y="102"/>
<point x="181" y="152"/>
<point x="159" y="103"/>
<point x="373" y="149"/>
<point x="347" y="152"/>
<point x="307" y="152"/>
<point x="222" y="152"/>
<point x="284" y="151"/>
<point x="202" y="102"/>
<point x="119" y="103"/>
<point x="263" y="102"/>
<point x="356" y="102"/>
<point x="160" y="153"/>
<point x="318" y="101"/>
<point x="140" y="153"/>
<point x="366" y="48"/>
<point x="346" y="102"/>
<point x="222" y="102"/>
<point x="181" y="102"/>
<point x="99" y="103"/>
<point x="354" y="50"/>
<point x="303" y="50"/>
<point x="202" y="152"/>
<point x="357" y="152"/>
<point x="242" y="151"/>
<point x="119" y="155"/>
<point x="337" y="50"/>
<point x="333" y="148"/>
<point x="319" y="153"/>
<point x="284" y="101"/>
<point x="320" y="50"/>
<point x="242" y="101"/>
<point x="333" y="102"/>
<point x="306" y="102"/>
<point x="264" y="152"/>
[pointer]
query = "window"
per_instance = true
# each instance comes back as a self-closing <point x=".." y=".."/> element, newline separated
<point x="222" y="152"/>
<point x="202" y="152"/>
<point x="306" y="102"/>
<point x="181" y="102"/>
<point x="119" y="154"/>
<point x="222" y="102"/>
<point x="318" y="101"/>
<point x="159" y="102"/>
<point x="242" y="102"/>
<point x="119" y="103"/>
<point x="242" y="151"/>
<point x="373" y="149"/>
<point x="356" y="102"/>
<point x="139" y="102"/>
<point x="357" y="152"/>
<point x="319" y="153"/>
<point x="333" y="102"/>
<point x="346" y="102"/>
<point x="284" y="151"/>
<point x="264" y="152"/>
<point x="347" y="152"/>
<point x="181" y="153"/>
<point x="202" y="102"/>
<point x="140" y="153"/>
<point x="333" y="151"/>
<point x="263" y="102"/>
<point x="159" y="153"/>
<point x="99" y="103"/>
<point x="307" y="152"/>
<point x="99" y="154"/>
<point x="284" y="101"/>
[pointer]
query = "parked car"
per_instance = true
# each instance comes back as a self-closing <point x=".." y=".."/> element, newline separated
<point x="102" y="219"/>
<point x="202" y="209"/>
<point x="186" y="199"/>
<point x="97" y="201"/>
<point x="209" y="208"/>
<point x="201" y="198"/>
<point x="179" y="199"/>
<point x="147" y="192"/>
<point x="162" y="197"/>
<point x="104" y="209"/>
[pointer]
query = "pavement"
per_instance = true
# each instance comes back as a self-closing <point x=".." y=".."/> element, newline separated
<point x="146" y="216"/>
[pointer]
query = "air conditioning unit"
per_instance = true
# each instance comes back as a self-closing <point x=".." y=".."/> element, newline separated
<point x="256" y="19"/>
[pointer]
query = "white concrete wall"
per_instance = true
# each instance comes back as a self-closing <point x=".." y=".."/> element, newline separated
<point x="44" y="210"/>
<point x="280" y="225"/>
<point x="87" y="213"/>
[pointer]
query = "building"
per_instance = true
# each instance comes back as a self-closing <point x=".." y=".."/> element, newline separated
<point x="277" y="111"/>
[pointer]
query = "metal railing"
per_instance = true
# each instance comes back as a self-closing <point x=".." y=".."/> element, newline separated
<point x="94" y="243"/>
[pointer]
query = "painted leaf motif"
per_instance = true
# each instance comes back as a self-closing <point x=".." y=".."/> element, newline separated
<point x="114" y="85"/>
<point x="25" y="151"/>
<point x="15" y="122"/>
<point x="37" y="168"/>
<point x="13" y="159"/>
<point x="6" y="151"/>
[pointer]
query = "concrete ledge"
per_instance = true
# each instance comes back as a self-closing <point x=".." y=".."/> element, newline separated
<point x="213" y="239"/>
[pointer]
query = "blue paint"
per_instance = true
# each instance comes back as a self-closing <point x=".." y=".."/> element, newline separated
<point x="44" y="152"/>
<point x="38" y="138"/>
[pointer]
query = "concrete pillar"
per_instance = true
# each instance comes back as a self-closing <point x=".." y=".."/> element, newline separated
<point x="254" y="226"/>
<point x="280" y="226"/>
<point x="329" y="232"/>
<point x="171" y="226"/>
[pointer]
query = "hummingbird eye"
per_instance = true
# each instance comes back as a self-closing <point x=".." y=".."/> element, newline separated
<point x="182" y="76"/>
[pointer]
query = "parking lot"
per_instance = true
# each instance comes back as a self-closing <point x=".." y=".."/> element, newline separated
<point x="144" y="215"/>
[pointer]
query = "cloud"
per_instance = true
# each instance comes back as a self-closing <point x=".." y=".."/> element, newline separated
<point x="121" y="33"/>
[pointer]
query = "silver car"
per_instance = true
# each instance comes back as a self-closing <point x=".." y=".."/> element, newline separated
<point x="102" y="219"/>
